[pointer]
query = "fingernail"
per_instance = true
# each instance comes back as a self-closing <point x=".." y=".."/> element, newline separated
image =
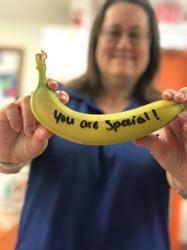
<point x="63" y="96"/>
<point x="167" y="93"/>
<point x="53" y="85"/>
<point x="179" y="96"/>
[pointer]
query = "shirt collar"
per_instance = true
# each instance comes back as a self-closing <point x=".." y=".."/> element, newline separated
<point x="91" y="104"/>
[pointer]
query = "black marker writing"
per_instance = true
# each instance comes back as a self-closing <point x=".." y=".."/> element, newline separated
<point x="59" y="117"/>
<point x="155" y="114"/>
<point x="147" y="116"/>
<point x="87" y="124"/>
<point x="126" y="122"/>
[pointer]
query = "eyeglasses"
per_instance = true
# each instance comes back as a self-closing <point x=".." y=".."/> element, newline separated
<point x="135" y="36"/>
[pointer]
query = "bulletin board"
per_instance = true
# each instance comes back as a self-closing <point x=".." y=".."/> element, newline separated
<point x="11" y="66"/>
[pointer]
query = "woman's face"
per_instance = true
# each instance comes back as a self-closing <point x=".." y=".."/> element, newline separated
<point x="123" y="44"/>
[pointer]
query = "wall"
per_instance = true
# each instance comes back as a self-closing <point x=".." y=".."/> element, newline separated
<point x="26" y="35"/>
<point x="30" y="36"/>
<point x="66" y="46"/>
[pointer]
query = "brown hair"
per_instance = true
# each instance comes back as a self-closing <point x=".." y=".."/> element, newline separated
<point x="144" y="90"/>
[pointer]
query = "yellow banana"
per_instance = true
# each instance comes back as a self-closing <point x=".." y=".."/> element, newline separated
<point x="96" y="129"/>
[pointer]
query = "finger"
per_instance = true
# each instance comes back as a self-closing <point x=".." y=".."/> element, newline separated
<point x="182" y="118"/>
<point x="52" y="84"/>
<point x="181" y="95"/>
<point x="13" y="115"/>
<point x="153" y="144"/>
<point x="28" y="118"/>
<point x="168" y="94"/>
<point x="63" y="96"/>
<point x="39" y="140"/>
<point x="10" y="170"/>
<point x="42" y="133"/>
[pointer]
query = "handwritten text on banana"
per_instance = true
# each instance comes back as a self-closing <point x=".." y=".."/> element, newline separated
<point x="110" y="125"/>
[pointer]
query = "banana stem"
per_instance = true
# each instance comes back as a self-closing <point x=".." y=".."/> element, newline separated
<point x="42" y="76"/>
<point x="41" y="67"/>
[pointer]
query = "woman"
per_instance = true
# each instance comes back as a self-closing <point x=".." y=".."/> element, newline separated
<point x="101" y="197"/>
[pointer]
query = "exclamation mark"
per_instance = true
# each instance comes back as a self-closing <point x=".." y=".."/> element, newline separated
<point x="155" y="114"/>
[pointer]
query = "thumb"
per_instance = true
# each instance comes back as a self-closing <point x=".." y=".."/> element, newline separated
<point x="153" y="144"/>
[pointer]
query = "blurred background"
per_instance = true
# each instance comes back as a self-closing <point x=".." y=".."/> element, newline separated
<point x="61" y="28"/>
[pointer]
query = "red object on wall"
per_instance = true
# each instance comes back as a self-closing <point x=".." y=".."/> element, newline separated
<point x="174" y="220"/>
<point x="77" y="17"/>
<point x="8" y="239"/>
<point x="173" y="75"/>
<point x="173" y="70"/>
<point x="168" y="12"/>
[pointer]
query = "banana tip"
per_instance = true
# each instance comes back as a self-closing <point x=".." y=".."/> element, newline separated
<point x="41" y="57"/>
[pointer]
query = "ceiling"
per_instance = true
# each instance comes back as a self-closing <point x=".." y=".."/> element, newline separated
<point x="57" y="11"/>
<point x="35" y="10"/>
<point x="54" y="11"/>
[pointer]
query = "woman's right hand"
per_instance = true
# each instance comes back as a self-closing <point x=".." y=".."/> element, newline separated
<point x="22" y="138"/>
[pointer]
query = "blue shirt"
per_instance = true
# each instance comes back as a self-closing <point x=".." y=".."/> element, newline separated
<point x="94" y="197"/>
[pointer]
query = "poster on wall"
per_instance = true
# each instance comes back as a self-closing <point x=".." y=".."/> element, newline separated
<point x="10" y="73"/>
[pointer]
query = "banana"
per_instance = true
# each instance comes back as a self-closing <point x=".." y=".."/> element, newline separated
<point x="96" y="129"/>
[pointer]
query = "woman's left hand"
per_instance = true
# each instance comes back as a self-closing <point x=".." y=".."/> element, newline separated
<point x="170" y="147"/>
